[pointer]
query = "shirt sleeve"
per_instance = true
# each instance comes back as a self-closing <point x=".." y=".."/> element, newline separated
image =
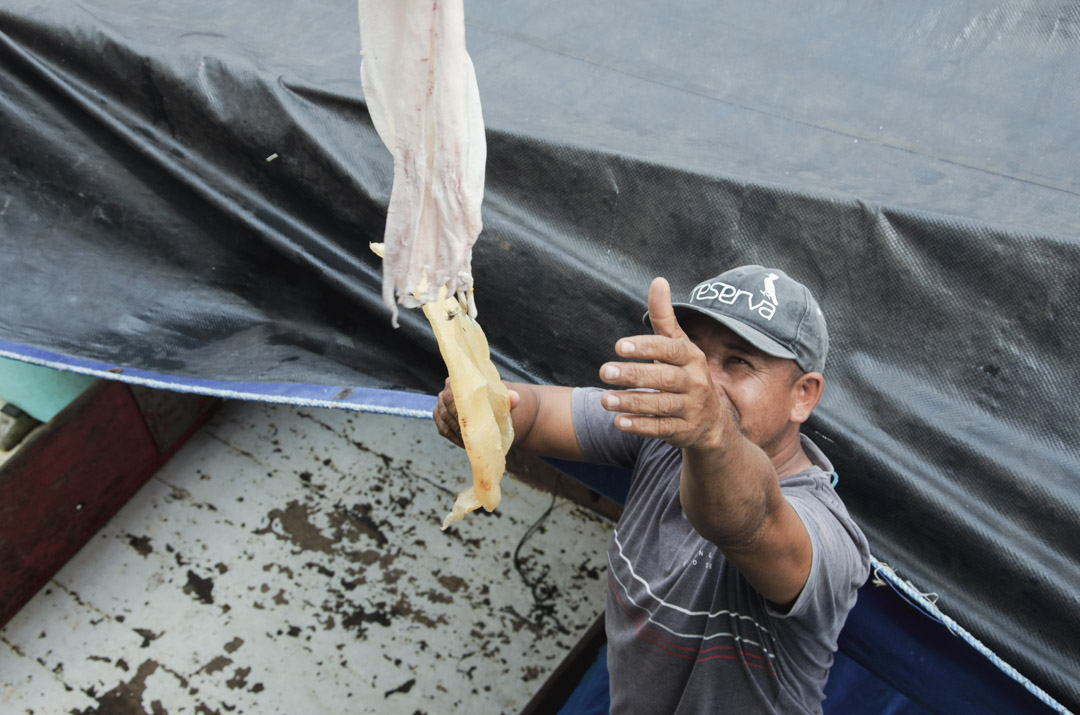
<point x="840" y="562"/>
<point x="594" y="426"/>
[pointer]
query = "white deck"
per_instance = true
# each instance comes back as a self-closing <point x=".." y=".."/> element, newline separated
<point x="290" y="561"/>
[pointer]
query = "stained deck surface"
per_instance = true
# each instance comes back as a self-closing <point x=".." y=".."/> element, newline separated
<point x="290" y="561"/>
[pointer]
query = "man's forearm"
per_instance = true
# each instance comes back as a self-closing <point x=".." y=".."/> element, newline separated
<point x="735" y="502"/>
<point x="725" y="490"/>
<point x="543" y="421"/>
<point x="524" y="412"/>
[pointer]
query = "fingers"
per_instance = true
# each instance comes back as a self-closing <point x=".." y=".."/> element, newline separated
<point x="446" y="417"/>
<point x="658" y="404"/>
<point x="666" y="379"/>
<point x="665" y="428"/>
<point x="672" y="351"/>
<point x="662" y="410"/>
<point x="648" y="376"/>
<point x="667" y="369"/>
<point x="661" y="313"/>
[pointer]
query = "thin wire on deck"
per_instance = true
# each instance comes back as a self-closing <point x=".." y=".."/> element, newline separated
<point x="542" y="592"/>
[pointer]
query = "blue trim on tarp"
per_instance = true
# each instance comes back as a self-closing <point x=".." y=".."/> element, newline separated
<point x="347" y="397"/>
<point x="903" y="647"/>
<point x="853" y="689"/>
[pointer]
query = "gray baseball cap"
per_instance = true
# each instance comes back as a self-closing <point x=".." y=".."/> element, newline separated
<point x="766" y="308"/>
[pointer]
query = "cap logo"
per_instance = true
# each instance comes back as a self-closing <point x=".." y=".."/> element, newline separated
<point x="770" y="288"/>
<point x="728" y="294"/>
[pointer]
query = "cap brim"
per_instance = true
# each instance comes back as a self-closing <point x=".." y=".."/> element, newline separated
<point x="755" y="337"/>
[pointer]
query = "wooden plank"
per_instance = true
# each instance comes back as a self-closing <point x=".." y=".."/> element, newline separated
<point x="67" y="481"/>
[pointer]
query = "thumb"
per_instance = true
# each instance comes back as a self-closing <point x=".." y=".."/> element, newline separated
<point x="661" y="314"/>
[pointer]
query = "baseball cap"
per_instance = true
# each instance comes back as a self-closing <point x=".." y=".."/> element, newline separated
<point x="766" y="308"/>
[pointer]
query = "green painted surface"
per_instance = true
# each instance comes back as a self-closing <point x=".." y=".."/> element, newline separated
<point x="39" y="391"/>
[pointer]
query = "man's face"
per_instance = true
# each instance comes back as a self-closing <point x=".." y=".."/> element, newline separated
<point x="758" y="388"/>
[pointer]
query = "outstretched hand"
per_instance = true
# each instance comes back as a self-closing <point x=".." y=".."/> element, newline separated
<point x="680" y="405"/>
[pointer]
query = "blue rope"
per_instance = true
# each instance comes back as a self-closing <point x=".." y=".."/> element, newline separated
<point x="928" y="607"/>
<point x="884" y="572"/>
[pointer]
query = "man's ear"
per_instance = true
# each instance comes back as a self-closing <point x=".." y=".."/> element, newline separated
<point x="807" y="391"/>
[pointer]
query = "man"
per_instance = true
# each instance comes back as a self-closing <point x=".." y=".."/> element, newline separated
<point x="734" y="564"/>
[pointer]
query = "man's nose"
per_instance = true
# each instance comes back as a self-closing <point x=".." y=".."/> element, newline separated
<point x="720" y="380"/>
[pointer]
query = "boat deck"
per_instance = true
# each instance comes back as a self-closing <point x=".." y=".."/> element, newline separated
<point x="289" y="560"/>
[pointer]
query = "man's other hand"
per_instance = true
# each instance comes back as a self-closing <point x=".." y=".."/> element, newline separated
<point x="446" y="416"/>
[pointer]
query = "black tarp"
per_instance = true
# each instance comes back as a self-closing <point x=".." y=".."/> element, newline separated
<point x="189" y="188"/>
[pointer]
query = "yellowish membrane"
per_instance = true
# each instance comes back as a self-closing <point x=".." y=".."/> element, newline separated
<point x="482" y="400"/>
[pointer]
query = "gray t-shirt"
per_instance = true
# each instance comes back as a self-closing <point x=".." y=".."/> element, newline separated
<point x="686" y="632"/>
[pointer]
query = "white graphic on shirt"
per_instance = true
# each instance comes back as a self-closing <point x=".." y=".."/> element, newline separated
<point x="661" y="603"/>
<point x="770" y="288"/>
<point x="701" y="558"/>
